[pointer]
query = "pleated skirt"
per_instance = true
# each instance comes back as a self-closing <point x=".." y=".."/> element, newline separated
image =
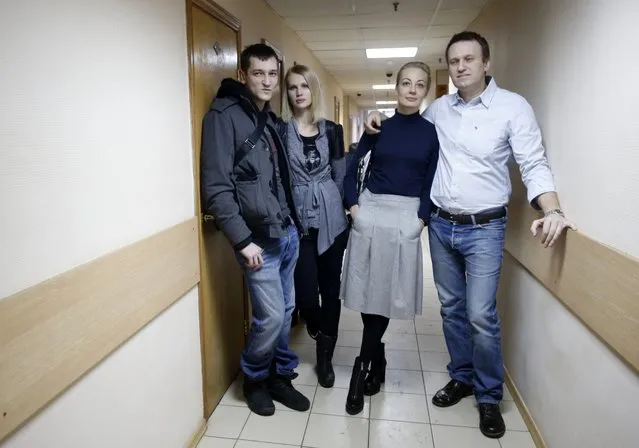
<point x="383" y="266"/>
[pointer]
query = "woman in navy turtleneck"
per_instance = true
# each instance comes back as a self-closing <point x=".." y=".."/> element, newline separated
<point x="382" y="276"/>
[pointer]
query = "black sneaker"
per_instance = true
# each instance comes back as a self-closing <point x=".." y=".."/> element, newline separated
<point x="257" y="397"/>
<point x="281" y="389"/>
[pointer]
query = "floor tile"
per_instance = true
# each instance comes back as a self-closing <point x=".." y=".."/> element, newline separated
<point x="401" y="326"/>
<point x="512" y="417"/>
<point x="342" y="376"/>
<point x="429" y="327"/>
<point x="402" y="360"/>
<point x="515" y="439"/>
<point x="330" y="431"/>
<point x="435" y="381"/>
<point x="227" y="421"/>
<point x="432" y="343"/>
<point x="400" y="341"/>
<point x="434" y="361"/>
<point x="345" y="356"/>
<point x="347" y="338"/>
<point x="404" y="381"/>
<point x="348" y="313"/>
<point x="305" y="374"/>
<point x="305" y="352"/>
<point x="283" y="427"/>
<point x="430" y="313"/>
<point x="387" y="434"/>
<point x="333" y="401"/>
<point x="307" y="391"/>
<point x="430" y="296"/>
<point x="464" y="413"/>
<point x="456" y="437"/>
<point x="216" y="442"/>
<point x="350" y="324"/>
<point x="234" y="395"/>
<point x="251" y="444"/>
<point x="399" y="407"/>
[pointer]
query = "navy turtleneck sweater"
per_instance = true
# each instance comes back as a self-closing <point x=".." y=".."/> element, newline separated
<point x="403" y="161"/>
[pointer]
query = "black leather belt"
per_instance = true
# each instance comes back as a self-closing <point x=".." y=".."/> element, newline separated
<point x="477" y="218"/>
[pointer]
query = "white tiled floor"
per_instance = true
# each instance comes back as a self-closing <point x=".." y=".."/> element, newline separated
<point x="401" y="416"/>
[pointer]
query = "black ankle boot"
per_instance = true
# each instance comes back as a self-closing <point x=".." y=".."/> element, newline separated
<point x="324" y="368"/>
<point x="377" y="375"/>
<point x="355" y="397"/>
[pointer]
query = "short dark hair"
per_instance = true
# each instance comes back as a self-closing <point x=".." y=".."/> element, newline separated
<point x="465" y="36"/>
<point x="262" y="52"/>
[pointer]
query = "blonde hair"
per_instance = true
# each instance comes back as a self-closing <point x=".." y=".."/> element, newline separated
<point x="415" y="64"/>
<point x="314" y="86"/>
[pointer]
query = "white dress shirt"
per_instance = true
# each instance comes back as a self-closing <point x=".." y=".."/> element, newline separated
<point x="477" y="140"/>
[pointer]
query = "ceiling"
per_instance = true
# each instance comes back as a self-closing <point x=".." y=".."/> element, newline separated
<point x="339" y="31"/>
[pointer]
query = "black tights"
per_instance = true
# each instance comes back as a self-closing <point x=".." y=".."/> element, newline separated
<point x="319" y="274"/>
<point x="374" y="328"/>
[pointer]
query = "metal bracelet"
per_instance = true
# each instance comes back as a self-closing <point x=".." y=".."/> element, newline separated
<point x="556" y="211"/>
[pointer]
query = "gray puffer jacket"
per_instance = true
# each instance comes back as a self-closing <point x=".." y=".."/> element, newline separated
<point x="243" y="198"/>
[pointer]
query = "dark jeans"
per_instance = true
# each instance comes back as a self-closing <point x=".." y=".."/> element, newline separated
<point x="320" y="274"/>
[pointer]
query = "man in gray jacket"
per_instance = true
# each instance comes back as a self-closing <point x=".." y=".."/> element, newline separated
<point x="245" y="186"/>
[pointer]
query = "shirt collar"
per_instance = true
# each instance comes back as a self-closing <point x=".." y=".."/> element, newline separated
<point x="486" y="96"/>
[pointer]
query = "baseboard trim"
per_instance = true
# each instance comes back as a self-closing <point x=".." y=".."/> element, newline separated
<point x="525" y="413"/>
<point x="197" y="435"/>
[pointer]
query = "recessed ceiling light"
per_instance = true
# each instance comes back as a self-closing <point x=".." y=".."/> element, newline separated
<point x="385" y="102"/>
<point x="376" y="53"/>
<point x="383" y="86"/>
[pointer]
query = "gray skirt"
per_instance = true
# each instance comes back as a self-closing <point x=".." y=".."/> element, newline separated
<point x="383" y="270"/>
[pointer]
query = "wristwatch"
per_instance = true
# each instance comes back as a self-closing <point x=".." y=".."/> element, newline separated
<point x="555" y="211"/>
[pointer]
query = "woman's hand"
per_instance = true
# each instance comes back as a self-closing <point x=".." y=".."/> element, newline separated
<point x="354" y="210"/>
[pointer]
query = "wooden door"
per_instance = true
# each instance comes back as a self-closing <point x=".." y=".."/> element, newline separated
<point x="214" y="42"/>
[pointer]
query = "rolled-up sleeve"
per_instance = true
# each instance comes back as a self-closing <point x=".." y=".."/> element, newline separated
<point x="529" y="153"/>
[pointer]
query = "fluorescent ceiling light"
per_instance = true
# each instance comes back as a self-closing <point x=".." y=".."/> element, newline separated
<point x="376" y="53"/>
<point x="385" y="102"/>
<point x="384" y="87"/>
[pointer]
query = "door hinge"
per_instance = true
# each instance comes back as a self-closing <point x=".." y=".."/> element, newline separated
<point x="246" y="327"/>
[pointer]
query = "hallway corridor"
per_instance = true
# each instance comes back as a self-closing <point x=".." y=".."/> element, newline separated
<point x="401" y="416"/>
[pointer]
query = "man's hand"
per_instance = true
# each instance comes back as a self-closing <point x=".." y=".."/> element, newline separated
<point x="374" y="122"/>
<point x="253" y="256"/>
<point x="552" y="226"/>
<point x="354" y="209"/>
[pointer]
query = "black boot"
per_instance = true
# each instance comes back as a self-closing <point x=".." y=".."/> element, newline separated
<point x="355" y="397"/>
<point x="324" y="349"/>
<point x="281" y="389"/>
<point x="258" y="398"/>
<point x="377" y="375"/>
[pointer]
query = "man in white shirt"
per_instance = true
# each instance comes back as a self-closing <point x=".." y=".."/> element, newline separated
<point x="479" y="128"/>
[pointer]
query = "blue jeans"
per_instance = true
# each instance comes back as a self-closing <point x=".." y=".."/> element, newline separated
<point x="272" y="301"/>
<point x="466" y="267"/>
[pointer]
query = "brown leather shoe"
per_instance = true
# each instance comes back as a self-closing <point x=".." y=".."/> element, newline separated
<point x="491" y="422"/>
<point x="452" y="394"/>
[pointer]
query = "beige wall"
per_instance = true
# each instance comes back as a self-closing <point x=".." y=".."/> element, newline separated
<point x="95" y="153"/>
<point x="565" y="57"/>
<point x="259" y="21"/>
